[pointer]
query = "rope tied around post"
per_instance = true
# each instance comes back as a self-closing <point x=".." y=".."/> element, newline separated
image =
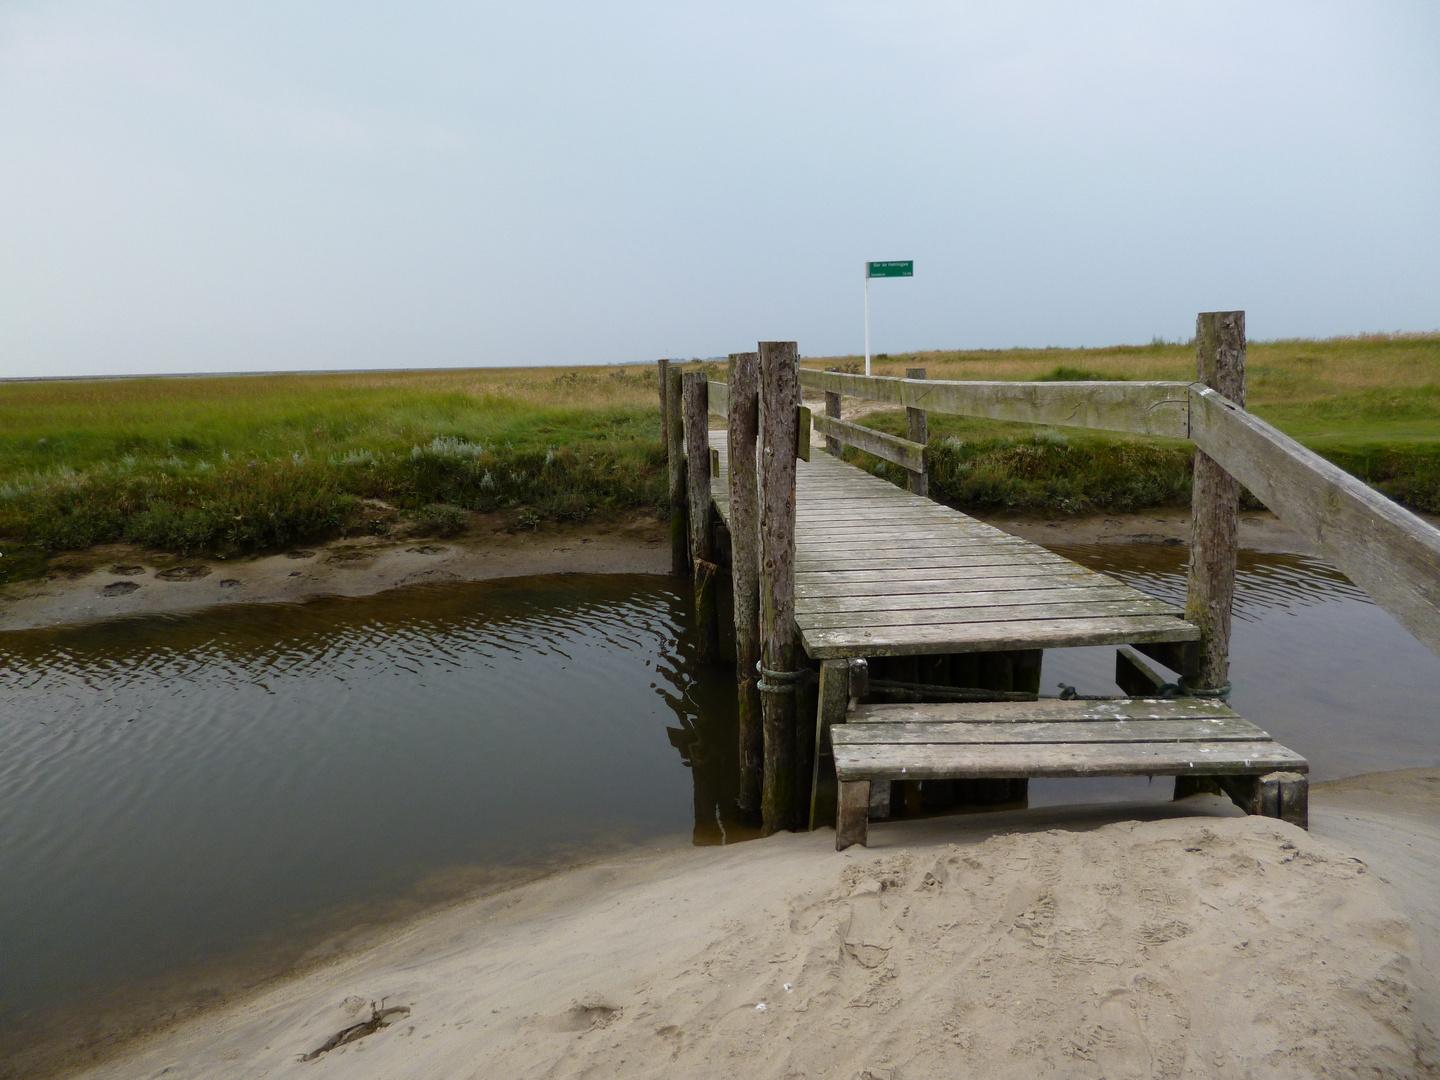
<point x="782" y="682"/>
<point x="1222" y="691"/>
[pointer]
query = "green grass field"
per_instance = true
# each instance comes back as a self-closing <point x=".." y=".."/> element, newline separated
<point x="253" y="463"/>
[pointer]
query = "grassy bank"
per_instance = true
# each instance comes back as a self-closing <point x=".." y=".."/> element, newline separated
<point x="237" y="464"/>
<point x="255" y="463"/>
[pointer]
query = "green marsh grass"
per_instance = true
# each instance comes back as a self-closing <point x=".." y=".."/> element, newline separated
<point x="255" y="463"/>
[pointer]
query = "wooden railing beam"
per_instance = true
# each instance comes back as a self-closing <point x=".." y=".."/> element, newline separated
<point x="1383" y="548"/>
<point x="908" y="455"/>
<point x="1143" y="408"/>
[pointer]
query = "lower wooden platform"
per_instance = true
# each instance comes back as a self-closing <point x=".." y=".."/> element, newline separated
<point x="1200" y="741"/>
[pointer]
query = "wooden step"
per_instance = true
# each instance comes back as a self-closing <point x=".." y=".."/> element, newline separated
<point x="1192" y="738"/>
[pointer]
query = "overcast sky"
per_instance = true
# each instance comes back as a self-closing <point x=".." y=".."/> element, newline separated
<point x="228" y="186"/>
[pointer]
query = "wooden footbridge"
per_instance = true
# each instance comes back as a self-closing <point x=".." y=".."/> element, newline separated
<point x="888" y="648"/>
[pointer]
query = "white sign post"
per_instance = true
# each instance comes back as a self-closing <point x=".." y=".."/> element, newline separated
<point x="905" y="268"/>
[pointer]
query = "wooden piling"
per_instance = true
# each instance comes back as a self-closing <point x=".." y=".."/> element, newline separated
<point x="1214" y="505"/>
<point x="779" y="437"/>
<point x="919" y="433"/>
<point x="675" y="454"/>
<point x="743" y="423"/>
<point x="697" y="482"/>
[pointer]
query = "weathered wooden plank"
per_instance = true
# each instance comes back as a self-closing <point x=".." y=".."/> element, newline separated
<point x="1226" y="729"/>
<point x="1389" y="552"/>
<point x="902" y="452"/>
<point x="860" y="523"/>
<point x="929" y="599"/>
<point x="779" y="639"/>
<point x="913" y="548"/>
<point x="902" y="762"/>
<point x="880" y="531"/>
<point x="993" y="637"/>
<point x="1018" y="559"/>
<point x="743" y="509"/>
<point x="880" y="620"/>
<point x="878" y="493"/>
<point x="1049" y="710"/>
<point x="930" y="586"/>
<point x="876" y="582"/>
<point x="1145" y="408"/>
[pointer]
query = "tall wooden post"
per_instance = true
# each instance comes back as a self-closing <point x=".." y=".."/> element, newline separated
<point x="779" y="402"/>
<point x="832" y="410"/>
<point x="675" y="453"/>
<point x="744" y="429"/>
<point x="697" y="482"/>
<point x="1214" y="505"/>
<point x="920" y="433"/>
<point x="664" y="366"/>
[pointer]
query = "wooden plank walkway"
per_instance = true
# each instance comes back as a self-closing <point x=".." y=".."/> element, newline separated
<point x="882" y="572"/>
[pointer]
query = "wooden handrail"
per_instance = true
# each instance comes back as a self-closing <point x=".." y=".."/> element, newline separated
<point x="1385" y="549"/>
<point x="1142" y="408"/>
<point x="908" y="455"/>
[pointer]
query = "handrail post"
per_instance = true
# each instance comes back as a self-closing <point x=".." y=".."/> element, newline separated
<point x="779" y="404"/>
<point x="832" y="410"/>
<point x="697" y="481"/>
<point x="919" y="433"/>
<point x="1214" y="506"/>
<point x="675" y="455"/>
<point x="743" y="424"/>
<point x="664" y="366"/>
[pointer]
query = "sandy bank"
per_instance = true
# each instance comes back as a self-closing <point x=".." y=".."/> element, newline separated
<point x="118" y="580"/>
<point x="1070" y="943"/>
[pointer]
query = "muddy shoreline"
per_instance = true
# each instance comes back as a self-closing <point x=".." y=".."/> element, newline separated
<point x="118" y="581"/>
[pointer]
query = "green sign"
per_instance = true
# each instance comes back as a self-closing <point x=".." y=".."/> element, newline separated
<point x="890" y="269"/>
